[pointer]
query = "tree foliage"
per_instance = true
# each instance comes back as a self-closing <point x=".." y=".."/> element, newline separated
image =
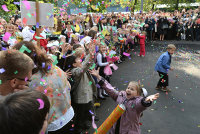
<point x="13" y="7"/>
<point x="100" y="5"/>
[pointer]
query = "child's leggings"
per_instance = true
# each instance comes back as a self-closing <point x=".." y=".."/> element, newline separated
<point x="142" y="49"/>
<point x="163" y="81"/>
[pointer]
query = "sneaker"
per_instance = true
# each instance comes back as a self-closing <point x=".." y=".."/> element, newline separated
<point x="164" y="89"/>
<point x="168" y="90"/>
<point x="158" y="88"/>
<point x="139" y="55"/>
<point x="142" y="56"/>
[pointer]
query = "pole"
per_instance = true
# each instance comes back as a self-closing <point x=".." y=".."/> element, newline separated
<point x="141" y="6"/>
<point x="37" y="22"/>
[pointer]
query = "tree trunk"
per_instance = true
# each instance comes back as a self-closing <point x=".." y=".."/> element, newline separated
<point x="134" y="6"/>
<point x="153" y="7"/>
<point x="177" y="3"/>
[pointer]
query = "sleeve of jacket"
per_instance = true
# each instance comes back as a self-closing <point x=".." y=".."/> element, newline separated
<point x="141" y="104"/>
<point x="165" y="61"/>
<point x="99" y="60"/>
<point x="108" y="88"/>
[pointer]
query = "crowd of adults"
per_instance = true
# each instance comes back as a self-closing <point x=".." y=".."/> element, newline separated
<point x="61" y="65"/>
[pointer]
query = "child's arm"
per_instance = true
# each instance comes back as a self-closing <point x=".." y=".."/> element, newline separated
<point x="105" y="85"/>
<point x="85" y="66"/>
<point x="99" y="61"/>
<point x="141" y="37"/>
<point x="143" y="103"/>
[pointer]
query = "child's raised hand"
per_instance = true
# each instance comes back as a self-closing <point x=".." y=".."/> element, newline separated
<point x="152" y="97"/>
<point x="95" y="73"/>
<point x="68" y="73"/>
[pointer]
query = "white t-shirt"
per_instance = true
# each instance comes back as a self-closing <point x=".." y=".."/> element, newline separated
<point x="27" y="34"/>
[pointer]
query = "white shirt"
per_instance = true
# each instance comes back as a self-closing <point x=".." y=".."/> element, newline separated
<point x="44" y="33"/>
<point x="99" y="60"/>
<point x="27" y="34"/>
<point x="62" y="121"/>
<point x="85" y="40"/>
<point x="12" y="41"/>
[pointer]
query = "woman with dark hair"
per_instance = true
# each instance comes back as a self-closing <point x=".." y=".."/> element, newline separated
<point x="24" y="112"/>
<point x="59" y="26"/>
<point x="100" y="25"/>
<point x="68" y="30"/>
<point x="52" y="81"/>
<point x="92" y="34"/>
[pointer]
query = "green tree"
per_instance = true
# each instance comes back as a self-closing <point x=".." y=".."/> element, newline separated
<point x="13" y="7"/>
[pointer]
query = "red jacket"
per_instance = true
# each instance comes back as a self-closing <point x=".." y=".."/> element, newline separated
<point x="43" y="42"/>
<point x="142" y="39"/>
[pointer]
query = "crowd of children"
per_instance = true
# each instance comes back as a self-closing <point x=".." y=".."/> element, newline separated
<point x="65" y="68"/>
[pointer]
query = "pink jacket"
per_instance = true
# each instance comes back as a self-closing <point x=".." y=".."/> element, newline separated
<point x="129" y="123"/>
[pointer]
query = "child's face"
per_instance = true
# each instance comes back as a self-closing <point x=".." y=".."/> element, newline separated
<point x="113" y="47"/>
<point x="62" y="39"/>
<point x="54" y="49"/>
<point x="171" y="51"/>
<point x="10" y="29"/>
<point x="68" y="26"/>
<point x="103" y="48"/>
<point x="107" y="37"/>
<point x="115" y="39"/>
<point x="78" y="63"/>
<point x="75" y="38"/>
<point x="131" y="91"/>
<point x="1" y="28"/>
<point x="129" y="28"/>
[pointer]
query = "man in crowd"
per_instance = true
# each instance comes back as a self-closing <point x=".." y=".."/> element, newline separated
<point x="15" y="71"/>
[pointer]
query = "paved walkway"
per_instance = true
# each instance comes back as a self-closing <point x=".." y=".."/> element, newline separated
<point x="177" y="112"/>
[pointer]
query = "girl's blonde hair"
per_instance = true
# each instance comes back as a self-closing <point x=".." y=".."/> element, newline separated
<point x="138" y="85"/>
<point x="143" y="32"/>
<point x="79" y="52"/>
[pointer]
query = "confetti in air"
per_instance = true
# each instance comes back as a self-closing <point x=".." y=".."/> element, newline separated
<point x="41" y="102"/>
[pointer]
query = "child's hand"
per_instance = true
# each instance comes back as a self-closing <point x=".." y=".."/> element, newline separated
<point x="110" y="62"/>
<point x="95" y="73"/>
<point x="152" y="97"/>
<point x="68" y="73"/>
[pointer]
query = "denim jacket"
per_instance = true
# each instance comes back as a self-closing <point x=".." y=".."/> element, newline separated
<point x="163" y="63"/>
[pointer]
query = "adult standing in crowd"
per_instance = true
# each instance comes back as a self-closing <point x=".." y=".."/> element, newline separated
<point x="52" y="81"/>
<point x="16" y="71"/>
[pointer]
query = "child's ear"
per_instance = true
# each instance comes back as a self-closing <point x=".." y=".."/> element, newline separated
<point x="74" y="64"/>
